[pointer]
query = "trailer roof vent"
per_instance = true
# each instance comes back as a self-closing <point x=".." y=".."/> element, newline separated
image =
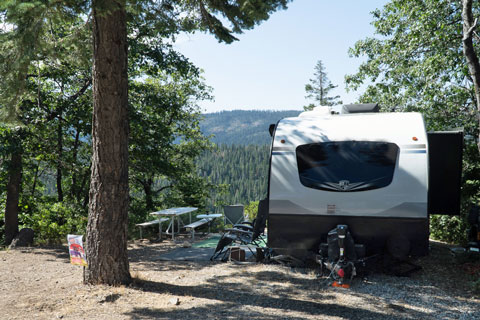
<point x="360" y="108"/>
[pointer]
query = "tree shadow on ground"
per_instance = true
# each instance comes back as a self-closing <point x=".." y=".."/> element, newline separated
<point x="165" y="266"/>
<point x="223" y="311"/>
<point x="148" y="256"/>
<point x="233" y="299"/>
<point x="59" y="252"/>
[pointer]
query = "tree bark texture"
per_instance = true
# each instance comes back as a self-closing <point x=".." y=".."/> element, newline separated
<point x="108" y="205"/>
<point x="13" y="196"/>
<point x="147" y="188"/>
<point x="469" y="25"/>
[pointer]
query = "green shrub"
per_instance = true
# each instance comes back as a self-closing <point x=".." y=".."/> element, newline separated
<point x="53" y="221"/>
<point x="476" y="286"/>
<point x="251" y="210"/>
<point x="449" y="229"/>
<point x="138" y="213"/>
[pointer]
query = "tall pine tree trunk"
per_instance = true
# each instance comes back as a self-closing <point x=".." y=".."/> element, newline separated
<point x="473" y="63"/>
<point x="13" y="195"/>
<point x="107" y="220"/>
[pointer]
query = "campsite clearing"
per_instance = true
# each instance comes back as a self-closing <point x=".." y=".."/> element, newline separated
<point x="40" y="283"/>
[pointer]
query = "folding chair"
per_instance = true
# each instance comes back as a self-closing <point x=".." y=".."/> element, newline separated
<point x="243" y="234"/>
<point x="233" y="214"/>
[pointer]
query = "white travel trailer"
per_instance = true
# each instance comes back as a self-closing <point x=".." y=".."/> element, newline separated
<point x="368" y="170"/>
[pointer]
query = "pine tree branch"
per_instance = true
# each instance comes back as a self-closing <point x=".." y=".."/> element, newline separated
<point x="82" y="90"/>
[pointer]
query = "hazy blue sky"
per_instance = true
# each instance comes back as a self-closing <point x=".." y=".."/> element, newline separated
<point x="270" y="65"/>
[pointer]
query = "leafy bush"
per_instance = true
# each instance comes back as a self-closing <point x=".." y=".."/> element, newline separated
<point x="476" y="286"/>
<point x="53" y="221"/>
<point x="137" y="213"/>
<point x="449" y="229"/>
<point x="251" y="210"/>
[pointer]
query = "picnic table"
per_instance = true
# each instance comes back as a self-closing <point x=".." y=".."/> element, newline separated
<point x="174" y="213"/>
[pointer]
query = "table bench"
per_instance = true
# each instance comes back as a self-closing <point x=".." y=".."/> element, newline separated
<point x="192" y="226"/>
<point x="205" y="219"/>
<point x="151" y="223"/>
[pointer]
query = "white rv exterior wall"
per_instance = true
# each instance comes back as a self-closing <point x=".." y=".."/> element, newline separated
<point x="405" y="197"/>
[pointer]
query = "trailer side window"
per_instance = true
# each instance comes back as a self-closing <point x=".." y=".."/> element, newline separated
<point x="347" y="166"/>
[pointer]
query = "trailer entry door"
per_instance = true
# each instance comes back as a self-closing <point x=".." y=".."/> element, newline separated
<point x="445" y="161"/>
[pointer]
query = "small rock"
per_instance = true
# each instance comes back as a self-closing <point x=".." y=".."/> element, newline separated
<point x="174" y="301"/>
<point x="186" y="244"/>
<point x="109" y="298"/>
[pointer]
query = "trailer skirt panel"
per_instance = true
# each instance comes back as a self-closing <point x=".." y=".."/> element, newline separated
<point x="300" y="235"/>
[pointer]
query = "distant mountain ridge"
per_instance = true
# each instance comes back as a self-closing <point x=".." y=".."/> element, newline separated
<point x="242" y="127"/>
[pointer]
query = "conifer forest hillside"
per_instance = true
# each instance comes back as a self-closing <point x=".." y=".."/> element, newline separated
<point x="242" y="127"/>
<point x="239" y="162"/>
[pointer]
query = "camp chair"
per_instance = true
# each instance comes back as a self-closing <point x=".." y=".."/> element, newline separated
<point x="243" y="234"/>
<point x="233" y="236"/>
<point x="233" y="214"/>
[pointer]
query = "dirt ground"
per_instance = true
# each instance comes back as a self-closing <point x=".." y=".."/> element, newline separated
<point x="40" y="283"/>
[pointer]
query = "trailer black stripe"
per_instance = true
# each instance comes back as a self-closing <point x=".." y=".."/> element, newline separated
<point x="299" y="235"/>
